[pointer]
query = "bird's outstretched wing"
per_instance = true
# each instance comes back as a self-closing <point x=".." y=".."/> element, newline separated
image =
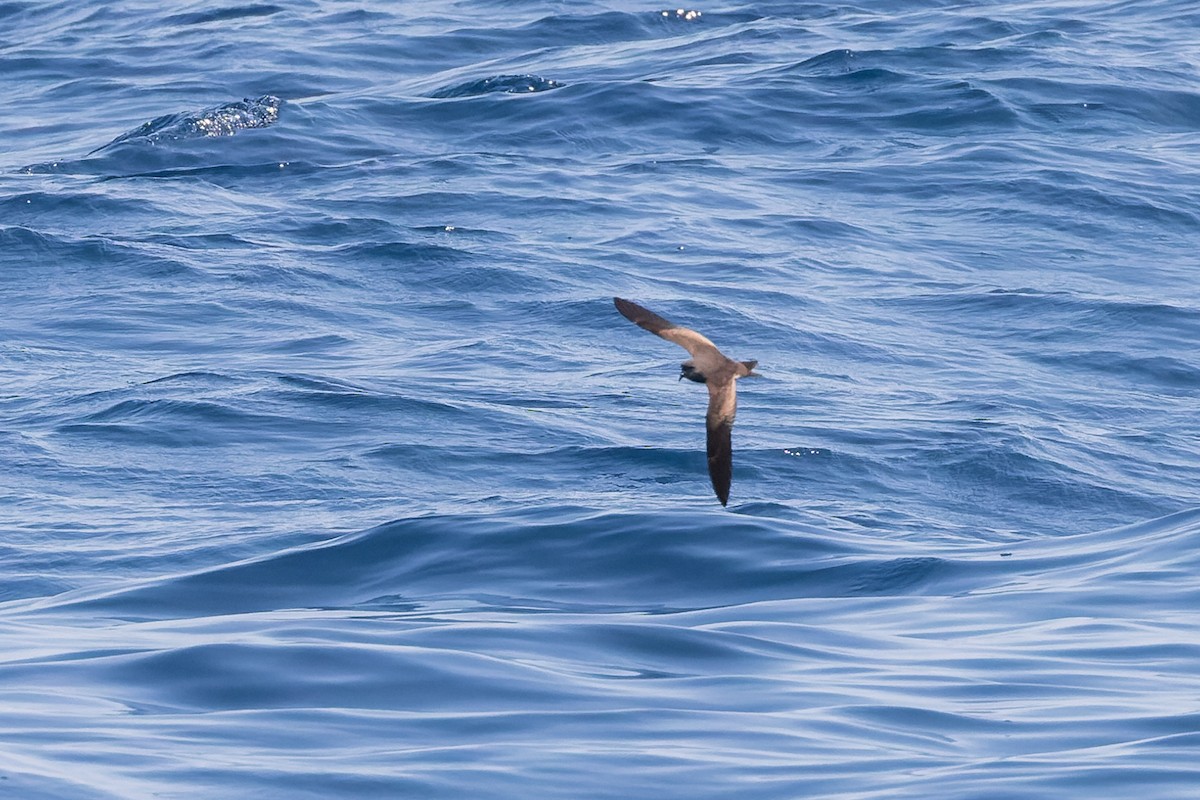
<point x="722" y="408"/>
<point x="699" y="346"/>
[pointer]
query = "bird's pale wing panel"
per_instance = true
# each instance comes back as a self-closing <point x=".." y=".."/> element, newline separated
<point x="696" y="344"/>
<point x="686" y="338"/>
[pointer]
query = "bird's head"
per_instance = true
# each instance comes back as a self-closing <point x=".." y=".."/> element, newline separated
<point x="688" y="370"/>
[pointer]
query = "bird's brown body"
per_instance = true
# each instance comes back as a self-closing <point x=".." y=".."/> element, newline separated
<point x="709" y="366"/>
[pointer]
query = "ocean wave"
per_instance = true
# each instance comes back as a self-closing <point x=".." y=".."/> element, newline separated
<point x="504" y="84"/>
<point x="570" y="560"/>
<point x="464" y="628"/>
<point x="226" y="119"/>
<point x="249" y="10"/>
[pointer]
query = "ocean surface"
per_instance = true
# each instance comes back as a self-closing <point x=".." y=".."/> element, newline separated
<point x="329" y="470"/>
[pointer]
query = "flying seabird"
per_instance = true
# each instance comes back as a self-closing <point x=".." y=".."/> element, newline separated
<point x="709" y="366"/>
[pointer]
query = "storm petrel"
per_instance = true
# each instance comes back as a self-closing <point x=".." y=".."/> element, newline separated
<point x="709" y="366"/>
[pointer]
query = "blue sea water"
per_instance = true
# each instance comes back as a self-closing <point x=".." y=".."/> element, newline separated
<point x="328" y="469"/>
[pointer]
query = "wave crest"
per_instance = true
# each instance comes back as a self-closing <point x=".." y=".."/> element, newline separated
<point x="223" y="120"/>
<point x="505" y="84"/>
